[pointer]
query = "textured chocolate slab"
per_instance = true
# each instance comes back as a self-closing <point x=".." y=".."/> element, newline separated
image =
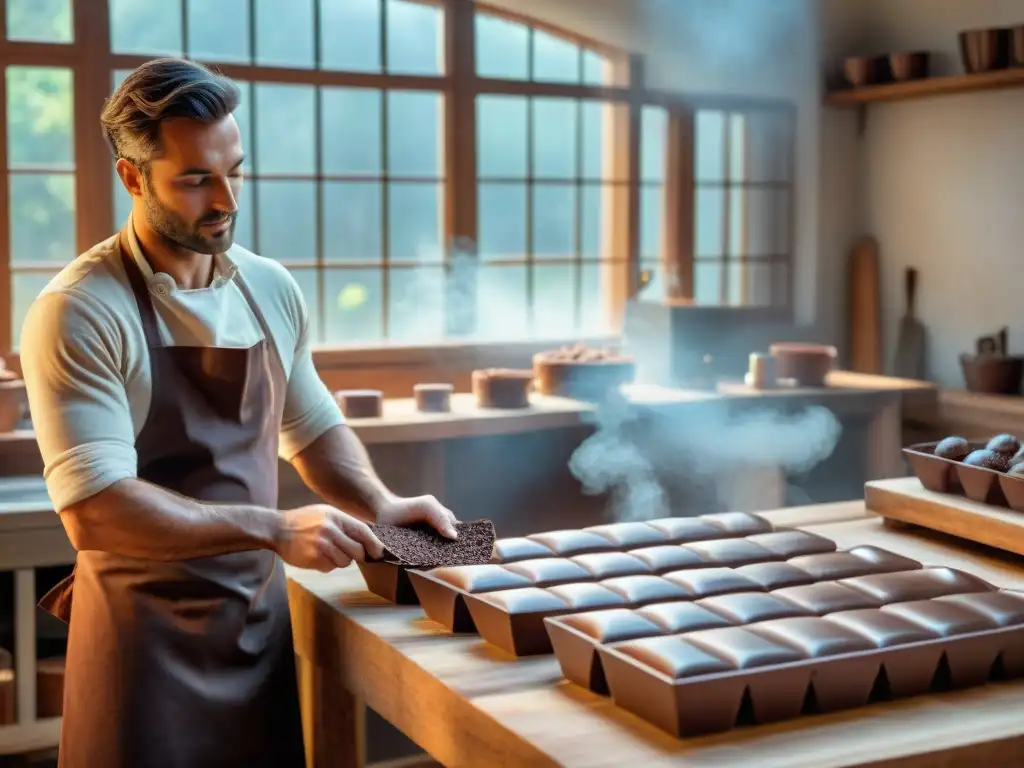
<point x="421" y="546"/>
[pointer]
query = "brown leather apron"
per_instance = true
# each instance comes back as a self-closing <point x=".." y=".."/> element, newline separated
<point x="188" y="664"/>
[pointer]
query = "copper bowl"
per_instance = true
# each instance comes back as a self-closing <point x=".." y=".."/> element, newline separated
<point x="909" y="65"/>
<point x="806" y="364"/>
<point x="984" y="50"/>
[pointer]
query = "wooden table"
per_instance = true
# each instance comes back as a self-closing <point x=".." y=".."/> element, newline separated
<point x="469" y="705"/>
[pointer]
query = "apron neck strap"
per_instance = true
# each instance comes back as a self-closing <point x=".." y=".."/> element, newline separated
<point x="141" y="291"/>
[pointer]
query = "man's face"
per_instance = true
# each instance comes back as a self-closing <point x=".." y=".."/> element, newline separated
<point x="190" y="193"/>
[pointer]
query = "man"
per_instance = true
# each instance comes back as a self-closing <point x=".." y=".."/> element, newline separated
<point x="167" y="369"/>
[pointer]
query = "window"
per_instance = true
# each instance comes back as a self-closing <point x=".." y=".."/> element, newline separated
<point x="653" y="139"/>
<point x="742" y="192"/>
<point x="413" y="192"/>
<point x="40" y="179"/>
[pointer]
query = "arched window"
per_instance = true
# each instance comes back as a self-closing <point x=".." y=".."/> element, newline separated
<point x="427" y="169"/>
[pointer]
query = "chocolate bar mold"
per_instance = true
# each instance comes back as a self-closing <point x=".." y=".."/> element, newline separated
<point x="474" y="599"/>
<point x="709" y="665"/>
<point x="947" y="476"/>
<point x="392" y="582"/>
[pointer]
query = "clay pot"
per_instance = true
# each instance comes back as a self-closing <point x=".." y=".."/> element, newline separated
<point x="984" y="50"/>
<point x="865" y="70"/>
<point x="912" y="65"/>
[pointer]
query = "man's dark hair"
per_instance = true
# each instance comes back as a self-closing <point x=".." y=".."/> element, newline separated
<point x="158" y="90"/>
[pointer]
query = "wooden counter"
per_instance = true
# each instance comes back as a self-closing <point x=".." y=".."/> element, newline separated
<point x="846" y="392"/>
<point x="469" y="705"/>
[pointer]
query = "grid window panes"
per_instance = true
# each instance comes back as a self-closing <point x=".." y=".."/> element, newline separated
<point x="41" y="181"/>
<point x="543" y="187"/>
<point x="742" y="203"/>
<point x="509" y="50"/>
<point x="403" y="37"/>
<point x="653" y="143"/>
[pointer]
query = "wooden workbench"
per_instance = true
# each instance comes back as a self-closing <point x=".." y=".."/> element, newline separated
<point x="469" y="705"/>
<point x="415" y="453"/>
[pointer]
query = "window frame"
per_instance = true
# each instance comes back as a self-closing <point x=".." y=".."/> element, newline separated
<point x="92" y="62"/>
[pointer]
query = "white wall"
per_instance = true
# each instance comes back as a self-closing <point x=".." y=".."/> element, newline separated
<point x="943" y="181"/>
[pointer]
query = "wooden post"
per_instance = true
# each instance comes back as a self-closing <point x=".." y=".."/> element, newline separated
<point x="679" y="210"/>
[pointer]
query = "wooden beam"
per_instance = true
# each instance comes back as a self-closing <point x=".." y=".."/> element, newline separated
<point x="620" y="205"/>
<point x="460" y="199"/>
<point x="678" y="208"/>
<point x="7" y="340"/>
<point x="94" y="190"/>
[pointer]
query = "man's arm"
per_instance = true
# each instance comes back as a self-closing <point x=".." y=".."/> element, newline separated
<point x="137" y="519"/>
<point x="338" y="469"/>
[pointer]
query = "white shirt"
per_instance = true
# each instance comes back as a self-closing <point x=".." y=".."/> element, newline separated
<point x="86" y="364"/>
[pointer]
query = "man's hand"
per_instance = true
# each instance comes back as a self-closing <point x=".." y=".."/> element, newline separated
<point x="321" y="538"/>
<point x="418" y="509"/>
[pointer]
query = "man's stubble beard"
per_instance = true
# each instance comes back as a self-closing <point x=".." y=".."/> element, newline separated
<point x="180" y="234"/>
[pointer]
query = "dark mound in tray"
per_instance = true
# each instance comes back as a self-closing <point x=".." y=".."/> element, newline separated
<point x="421" y="546"/>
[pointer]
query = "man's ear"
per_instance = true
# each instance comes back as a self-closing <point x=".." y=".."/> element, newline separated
<point x="130" y="175"/>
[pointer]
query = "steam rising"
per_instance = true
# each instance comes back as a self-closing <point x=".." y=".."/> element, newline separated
<point x="634" y="453"/>
<point x="729" y="37"/>
<point x="610" y="462"/>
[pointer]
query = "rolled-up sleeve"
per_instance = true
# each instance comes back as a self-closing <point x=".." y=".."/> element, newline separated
<point x="70" y="353"/>
<point x="309" y="408"/>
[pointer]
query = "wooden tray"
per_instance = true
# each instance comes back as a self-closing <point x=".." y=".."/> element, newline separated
<point x="906" y="500"/>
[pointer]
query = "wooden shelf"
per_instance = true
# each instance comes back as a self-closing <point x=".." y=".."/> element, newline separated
<point x="928" y="87"/>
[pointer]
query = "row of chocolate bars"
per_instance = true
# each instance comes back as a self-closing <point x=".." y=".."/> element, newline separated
<point x="702" y="624"/>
